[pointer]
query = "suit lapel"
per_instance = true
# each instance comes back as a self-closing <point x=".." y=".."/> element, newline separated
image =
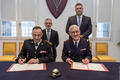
<point x="80" y="45"/>
<point x="83" y="17"/>
<point x="44" y="34"/>
<point x="51" y="35"/>
<point x="75" y="19"/>
<point x="40" y="47"/>
<point x="71" y="44"/>
<point x="32" y="48"/>
<point x="73" y="49"/>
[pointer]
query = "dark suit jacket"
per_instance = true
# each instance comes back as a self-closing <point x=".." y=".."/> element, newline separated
<point x="54" y="38"/>
<point x="43" y="52"/>
<point x="85" y="27"/>
<point x="76" y="54"/>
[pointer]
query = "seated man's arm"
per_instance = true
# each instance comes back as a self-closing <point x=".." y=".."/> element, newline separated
<point x="64" y="53"/>
<point x="21" y="57"/>
<point x="65" y="56"/>
<point x="88" y="57"/>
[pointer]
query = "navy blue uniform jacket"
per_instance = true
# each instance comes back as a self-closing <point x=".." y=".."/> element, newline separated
<point x="76" y="54"/>
<point x="44" y="51"/>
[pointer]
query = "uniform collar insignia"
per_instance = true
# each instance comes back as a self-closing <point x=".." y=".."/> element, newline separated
<point x="42" y="44"/>
<point x="32" y="42"/>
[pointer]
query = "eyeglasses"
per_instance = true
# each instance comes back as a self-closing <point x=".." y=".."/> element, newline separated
<point x="48" y="23"/>
<point x="73" y="32"/>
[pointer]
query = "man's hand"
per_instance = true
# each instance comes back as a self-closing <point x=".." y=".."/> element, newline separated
<point x="21" y="61"/>
<point x="85" y="61"/>
<point x="33" y="61"/>
<point x="70" y="61"/>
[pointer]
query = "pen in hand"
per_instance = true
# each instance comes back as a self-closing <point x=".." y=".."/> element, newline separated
<point x="70" y="61"/>
<point x="21" y="61"/>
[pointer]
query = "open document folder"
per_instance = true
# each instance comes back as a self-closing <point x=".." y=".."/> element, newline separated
<point x="90" y="66"/>
<point x="26" y="67"/>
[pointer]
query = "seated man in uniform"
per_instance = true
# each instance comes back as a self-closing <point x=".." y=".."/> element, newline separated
<point x="36" y="50"/>
<point x="76" y="49"/>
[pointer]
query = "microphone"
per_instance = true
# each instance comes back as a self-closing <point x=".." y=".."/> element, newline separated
<point x="55" y="73"/>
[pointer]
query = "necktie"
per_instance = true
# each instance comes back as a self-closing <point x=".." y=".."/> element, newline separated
<point x="79" y="21"/>
<point x="76" y="44"/>
<point x="36" y="46"/>
<point x="48" y="35"/>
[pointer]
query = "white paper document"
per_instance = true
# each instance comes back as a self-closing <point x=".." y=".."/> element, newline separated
<point x="26" y="67"/>
<point x="90" y="66"/>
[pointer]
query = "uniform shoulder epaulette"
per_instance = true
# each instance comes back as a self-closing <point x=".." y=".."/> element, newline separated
<point x="29" y="39"/>
<point x="48" y="42"/>
<point x="65" y="40"/>
<point x="87" y="40"/>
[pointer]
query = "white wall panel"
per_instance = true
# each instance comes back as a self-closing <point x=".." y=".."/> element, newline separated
<point x="27" y="9"/>
<point x="104" y="11"/>
<point x="8" y="9"/>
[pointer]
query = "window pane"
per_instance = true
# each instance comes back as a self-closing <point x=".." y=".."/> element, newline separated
<point x="9" y="28"/>
<point x="27" y="28"/>
<point x="103" y="30"/>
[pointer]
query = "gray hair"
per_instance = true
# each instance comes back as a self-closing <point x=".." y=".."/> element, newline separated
<point x="48" y="19"/>
<point x="73" y="26"/>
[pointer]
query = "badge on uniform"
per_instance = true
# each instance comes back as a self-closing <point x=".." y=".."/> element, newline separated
<point x="43" y="51"/>
<point x="83" y="49"/>
<point x="42" y="44"/>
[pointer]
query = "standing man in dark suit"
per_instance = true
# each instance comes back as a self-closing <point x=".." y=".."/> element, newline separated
<point x="51" y="35"/>
<point x="36" y="50"/>
<point x="76" y="49"/>
<point x="84" y="22"/>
